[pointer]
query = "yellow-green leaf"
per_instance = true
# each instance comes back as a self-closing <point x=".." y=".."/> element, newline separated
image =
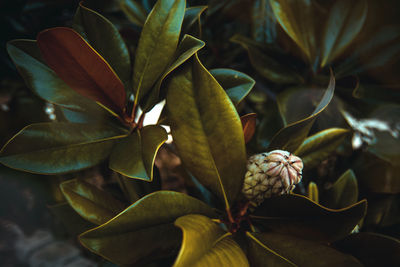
<point x="204" y="243"/>
<point x="134" y="11"/>
<point x="313" y="193"/>
<point x="343" y="193"/>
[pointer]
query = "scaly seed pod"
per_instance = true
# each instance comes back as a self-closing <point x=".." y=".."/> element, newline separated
<point x="271" y="174"/>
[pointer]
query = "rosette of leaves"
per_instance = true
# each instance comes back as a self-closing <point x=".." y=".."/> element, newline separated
<point x="171" y="228"/>
<point x="103" y="92"/>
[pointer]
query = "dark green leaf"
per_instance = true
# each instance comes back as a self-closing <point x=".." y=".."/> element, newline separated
<point x="293" y="135"/>
<point x="372" y="249"/>
<point x="299" y="216"/>
<point x="144" y="231"/>
<point x="343" y="193"/>
<point x="204" y="243"/>
<point x="263" y="22"/>
<point x="236" y="84"/>
<point x="345" y="21"/>
<point x="102" y="35"/>
<point x="134" y="155"/>
<point x="200" y="110"/>
<point x="301" y="252"/>
<point x="187" y="47"/>
<point x="319" y="146"/>
<point x="157" y="44"/>
<point x="44" y="81"/>
<point x="93" y="204"/>
<point x="134" y="11"/>
<point x="192" y="15"/>
<point x="297" y="19"/>
<point x="267" y="66"/>
<point x="72" y="58"/>
<point x="50" y="148"/>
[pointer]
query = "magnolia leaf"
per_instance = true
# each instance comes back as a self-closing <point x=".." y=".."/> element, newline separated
<point x="192" y="15"/>
<point x="200" y="110"/>
<point x="300" y="252"/>
<point x="187" y="48"/>
<point x="72" y="58"/>
<point x="319" y="146"/>
<point x="144" y="231"/>
<point x="157" y="44"/>
<point x="134" y="155"/>
<point x="55" y="148"/>
<point x="134" y="11"/>
<point x="300" y="26"/>
<point x="42" y="80"/>
<point x="267" y="66"/>
<point x="299" y="216"/>
<point x="263" y="22"/>
<point x="236" y="84"/>
<point x="249" y="126"/>
<point x="93" y="204"/>
<point x="371" y="249"/>
<point x="313" y="193"/>
<point x="102" y="35"/>
<point x="345" y="21"/>
<point x="293" y="135"/>
<point x="260" y="255"/>
<point x="204" y="243"/>
<point x="343" y="193"/>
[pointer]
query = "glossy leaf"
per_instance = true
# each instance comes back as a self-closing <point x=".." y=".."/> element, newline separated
<point x="345" y="21"/>
<point x="302" y="252"/>
<point x="263" y="22"/>
<point x="236" y="84"/>
<point x="104" y="37"/>
<point x="147" y="226"/>
<point x="200" y="110"/>
<point x="157" y="44"/>
<point x="372" y="249"/>
<point x="134" y="155"/>
<point x="204" y="243"/>
<point x="134" y="11"/>
<point x="192" y="15"/>
<point x="344" y="191"/>
<point x="93" y="204"/>
<point x="299" y="216"/>
<point x="319" y="146"/>
<point x="249" y="126"/>
<point x="267" y="66"/>
<point x="43" y="80"/>
<point x="72" y="58"/>
<point x="187" y="48"/>
<point x="300" y="26"/>
<point x="54" y="148"/>
<point x="294" y="134"/>
<point x="313" y="193"/>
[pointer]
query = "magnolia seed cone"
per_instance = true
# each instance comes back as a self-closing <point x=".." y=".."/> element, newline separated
<point x="271" y="174"/>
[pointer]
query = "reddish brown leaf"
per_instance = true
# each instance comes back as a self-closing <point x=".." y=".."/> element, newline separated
<point x="81" y="67"/>
<point x="249" y="125"/>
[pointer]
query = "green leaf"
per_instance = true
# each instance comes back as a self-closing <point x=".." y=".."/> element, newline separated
<point x="54" y="148"/>
<point x="301" y="252"/>
<point x="102" y="35"/>
<point x="343" y="193"/>
<point x="297" y="20"/>
<point x="134" y="11"/>
<point x="204" y="243"/>
<point x="267" y="66"/>
<point x="187" y="48"/>
<point x="157" y="44"/>
<point x="293" y="135"/>
<point x="371" y="249"/>
<point x="42" y="80"/>
<point x="345" y="21"/>
<point x="319" y="146"/>
<point x="192" y="15"/>
<point x="93" y="204"/>
<point x="144" y="231"/>
<point x="236" y="84"/>
<point x="72" y="58"/>
<point x="263" y="22"/>
<point x="134" y="155"/>
<point x="200" y="110"/>
<point x="299" y="216"/>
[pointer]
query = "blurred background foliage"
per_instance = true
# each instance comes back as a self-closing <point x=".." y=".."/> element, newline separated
<point x="289" y="55"/>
